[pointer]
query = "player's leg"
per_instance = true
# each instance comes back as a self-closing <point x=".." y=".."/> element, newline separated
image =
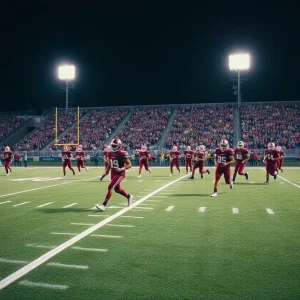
<point x="273" y="171"/>
<point x="227" y="177"/>
<point x="186" y="166"/>
<point x="195" y="166"/>
<point x="114" y="180"/>
<point x="69" y="164"/>
<point x="78" y="165"/>
<point x="64" y="168"/>
<point x="218" y="174"/>
<point x="267" y="174"/>
<point x="6" y="166"/>
<point x="280" y="165"/>
<point x="120" y="191"/>
<point x="241" y="171"/>
<point x="146" y="165"/>
<point x="83" y="166"/>
<point x="177" y="167"/>
<point x="171" y="167"/>
<point x="236" y="168"/>
<point x="140" y="168"/>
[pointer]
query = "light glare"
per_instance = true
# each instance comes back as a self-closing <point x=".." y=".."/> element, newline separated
<point x="66" y="72"/>
<point x="239" y="62"/>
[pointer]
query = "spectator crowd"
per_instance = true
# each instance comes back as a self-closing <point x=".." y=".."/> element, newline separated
<point x="8" y="124"/>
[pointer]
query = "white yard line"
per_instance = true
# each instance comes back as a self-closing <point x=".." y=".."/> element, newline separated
<point x="45" y="187"/>
<point x="235" y="210"/>
<point x="170" y="208"/>
<point x="119" y="225"/>
<point x="83" y="224"/>
<point x="107" y="236"/>
<point x="89" y="249"/>
<point x="270" y="211"/>
<point x="134" y="217"/>
<point x="149" y="200"/>
<point x="202" y="209"/>
<point x="40" y="246"/>
<point x="54" y="264"/>
<point x="142" y="207"/>
<point x="5" y="202"/>
<point x="65" y="233"/>
<point x="44" y="204"/>
<point x="44" y="285"/>
<point x="10" y="261"/>
<point x="69" y="205"/>
<point x="42" y="259"/>
<point x="21" y="203"/>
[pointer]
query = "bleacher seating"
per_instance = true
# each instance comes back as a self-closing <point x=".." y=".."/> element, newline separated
<point x="279" y="123"/>
<point x="9" y="123"/>
<point x="206" y="124"/>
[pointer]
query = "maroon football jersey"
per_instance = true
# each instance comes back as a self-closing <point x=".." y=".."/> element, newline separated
<point x="117" y="160"/>
<point x="199" y="156"/>
<point x="270" y="155"/>
<point x="79" y="155"/>
<point x="143" y="155"/>
<point x="188" y="154"/>
<point x="174" y="155"/>
<point x="281" y="154"/>
<point x="66" y="155"/>
<point x="240" y="154"/>
<point x="222" y="157"/>
<point x="7" y="155"/>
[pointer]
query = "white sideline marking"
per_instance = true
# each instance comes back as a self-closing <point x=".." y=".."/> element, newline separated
<point x="119" y="225"/>
<point x="202" y="209"/>
<point x="140" y="180"/>
<point x="294" y="184"/>
<point x="5" y="202"/>
<point x="107" y="236"/>
<point x="10" y="261"/>
<point x="21" y="203"/>
<point x="170" y="208"/>
<point x="98" y="215"/>
<point x="83" y="224"/>
<point x="270" y="211"/>
<point x="153" y="200"/>
<point x="40" y="246"/>
<point x="44" y="204"/>
<point x="142" y="207"/>
<point x="147" y="204"/>
<point x="114" y="206"/>
<point x="53" y="264"/>
<point x="69" y="205"/>
<point x="134" y="217"/>
<point x="44" y="285"/>
<point x="64" y="233"/>
<point x="45" y="187"/>
<point x="235" y="210"/>
<point x="40" y="260"/>
<point x="89" y="249"/>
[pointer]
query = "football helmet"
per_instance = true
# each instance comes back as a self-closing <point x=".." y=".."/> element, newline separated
<point x="240" y="144"/>
<point x="278" y="148"/>
<point x="144" y="148"/>
<point x="224" y="145"/>
<point x="188" y="148"/>
<point x="202" y="148"/>
<point x="198" y="149"/>
<point x="7" y="148"/>
<point x="174" y="148"/>
<point x="79" y="148"/>
<point x="271" y="146"/>
<point x="66" y="148"/>
<point x="116" y="145"/>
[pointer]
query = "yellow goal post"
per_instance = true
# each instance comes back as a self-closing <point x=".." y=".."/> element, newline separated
<point x="56" y="129"/>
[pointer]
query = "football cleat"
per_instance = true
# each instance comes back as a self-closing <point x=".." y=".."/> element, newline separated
<point x="271" y="146"/>
<point x="116" y="145"/>
<point x="240" y="144"/>
<point x="139" y="176"/>
<point x="201" y="175"/>
<point x="267" y="182"/>
<point x="192" y="177"/>
<point x="129" y="198"/>
<point x="100" y="207"/>
<point x="231" y="185"/>
<point x="102" y="177"/>
<point x="171" y="174"/>
<point x="224" y="145"/>
<point x="214" y="195"/>
<point x="247" y="176"/>
<point x="207" y="171"/>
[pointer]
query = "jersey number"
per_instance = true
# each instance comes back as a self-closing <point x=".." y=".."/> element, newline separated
<point x="221" y="159"/>
<point x="239" y="157"/>
<point x="270" y="156"/>
<point x="114" y="163"/>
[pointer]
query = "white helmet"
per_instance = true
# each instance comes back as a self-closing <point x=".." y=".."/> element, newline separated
<point x="240" y="144"/>
<point x="116" y="145"/>
<point x="7" y="148"/>
<point x="144" y="148"/>
<point x="202" y="148"/>
<point x="271" y="146"/>
<point x="188" y="148"/>
<point x="174" y="148"/>
<point x="79" y="148"/>
<point x="66" y="148"/>
<point x="198" y="148"/>
<point x="224" y="145"/>
<point x="278" y="148"/>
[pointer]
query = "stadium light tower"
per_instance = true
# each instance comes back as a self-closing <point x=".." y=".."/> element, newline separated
<point x="67" y="73"/>
<point x="239" y="62"/>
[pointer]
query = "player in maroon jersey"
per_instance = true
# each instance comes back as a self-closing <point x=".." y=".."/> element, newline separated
<point x="280" y="161"/>
<point x="174" y="160"/>
<point x="271" y="159"/>
<point x="188" y="155"/>
<point x="144" y="156"/>
<point x="7" y="156"/>
<point x="66" y="156"/>
<point x="199" y="157"/>
<point x="119" y="162"/>
<point x="241" y="156"/>
<point x="223" y="160"/>
<point x="80" y="157"/>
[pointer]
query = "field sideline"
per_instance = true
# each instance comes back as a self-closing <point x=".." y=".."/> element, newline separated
<point x="174" y="242"/>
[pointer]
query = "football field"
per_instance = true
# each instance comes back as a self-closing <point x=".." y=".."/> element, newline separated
<point x="174" y="242"/>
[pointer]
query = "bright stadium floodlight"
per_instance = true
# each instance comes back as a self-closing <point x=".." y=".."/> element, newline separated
<point x="239" y="62"/>
<point x="67" y="73"/>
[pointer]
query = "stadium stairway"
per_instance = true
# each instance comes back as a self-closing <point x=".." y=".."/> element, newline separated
<point x="162" y="142"/>
<point x="236" y="127"/>
<point x="119" y="128"/>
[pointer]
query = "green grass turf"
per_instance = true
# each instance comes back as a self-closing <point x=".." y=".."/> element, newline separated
<point x="180" y="254"/>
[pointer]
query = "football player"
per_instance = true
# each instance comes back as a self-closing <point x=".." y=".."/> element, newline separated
<point x="66" y="157"/>
<point x="241" y="156"/>
<point x="223" y="160"/>
<point x="8" y="157"/>
<point x="271" y="159"/>
<point x="199" y="157"/>
<point x="144" y="155"/>
<point x="188" y="155"/>
<point x="118" y="164"/>
<point x="280" y="161"/>
<point x="80" y="157"/>
<point x="174" y="159"/>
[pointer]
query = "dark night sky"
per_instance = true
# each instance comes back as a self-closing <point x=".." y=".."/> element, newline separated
<point x="146" y="52"/>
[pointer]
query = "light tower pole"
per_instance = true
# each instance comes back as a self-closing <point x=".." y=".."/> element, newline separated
<point x="67" y="73"/>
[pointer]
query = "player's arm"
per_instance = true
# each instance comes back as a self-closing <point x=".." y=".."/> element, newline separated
<point x="231" y="160"/>
<point x="216" y="159"/>
<point x="127" y="165"/>
<point x="246" y="159"/>
<point x="107" y="169"/>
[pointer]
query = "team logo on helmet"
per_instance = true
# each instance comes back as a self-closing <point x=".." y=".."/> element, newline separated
<point x="224" y="145"/>
<point x="116" y="145"/>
